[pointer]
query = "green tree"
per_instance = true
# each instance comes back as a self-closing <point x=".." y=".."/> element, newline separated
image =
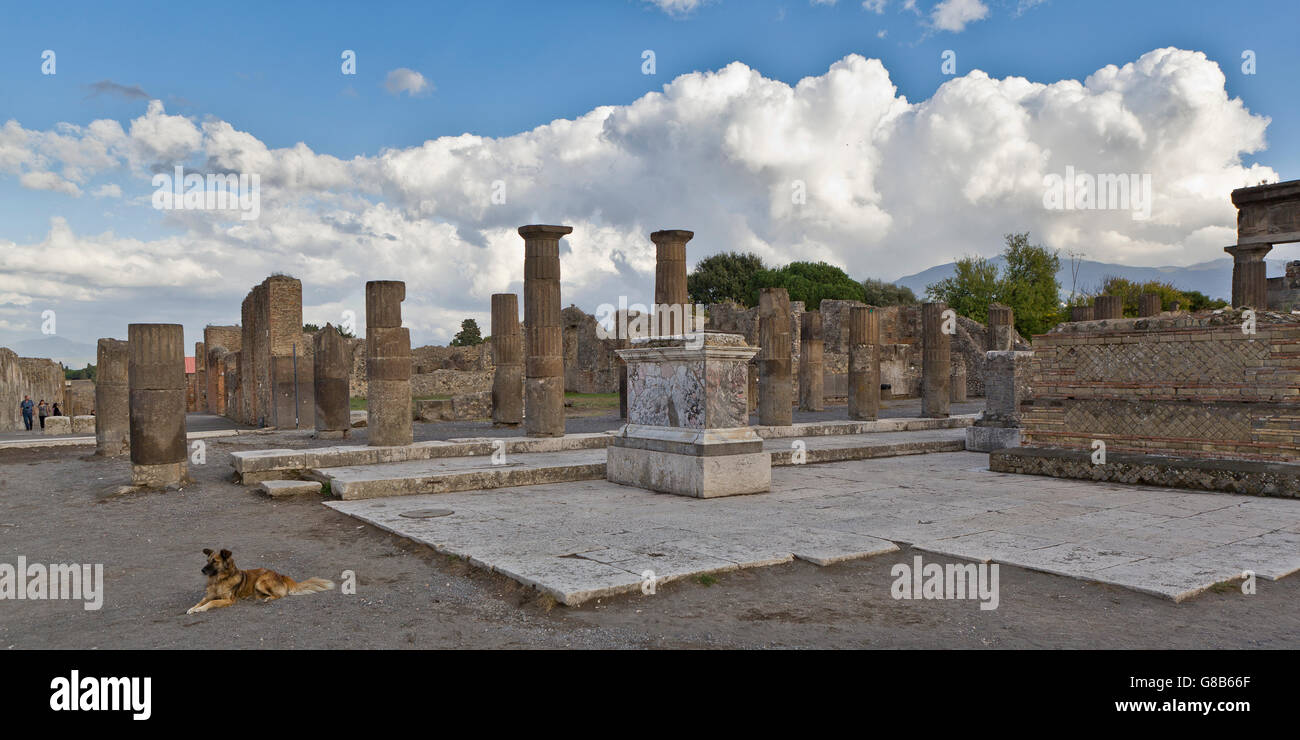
<point x="810" y="282"/>
<point x="313" y="328"/>
<point x="971" y="288"/>
<point x="881" y="293"/>
<point x="468" y="336"/>
<point x="86" y="373"/>
<point x="724" y="277"/>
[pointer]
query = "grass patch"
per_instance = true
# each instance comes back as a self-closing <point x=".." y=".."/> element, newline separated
<point x="704" y="579"/>
<point x="357" y="403"/>
<point x="592" y="400"/>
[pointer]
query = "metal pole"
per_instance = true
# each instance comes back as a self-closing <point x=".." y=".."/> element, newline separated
<point x="295" y="385"/>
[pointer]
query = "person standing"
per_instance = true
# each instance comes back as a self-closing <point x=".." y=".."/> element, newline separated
<point x="27" y="406"/>
<point x="43" y="409"/>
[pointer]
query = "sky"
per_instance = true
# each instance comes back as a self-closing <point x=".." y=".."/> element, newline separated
<point x="409" y="141"/>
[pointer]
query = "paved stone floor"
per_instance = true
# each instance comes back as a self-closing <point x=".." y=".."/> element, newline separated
<point x="581" y="540"/>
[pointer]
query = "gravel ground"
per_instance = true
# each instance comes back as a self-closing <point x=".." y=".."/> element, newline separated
<point x="56" y="506"/>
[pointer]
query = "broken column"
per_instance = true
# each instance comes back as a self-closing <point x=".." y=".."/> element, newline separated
<point x="1081" y="313"/>
<point x="1108" y="307"/>
<point x="687" y="430"/>
<point x="156" y="386"/>
<point x="811" y="350"/>
<point x="508" y="358"/>
<point x="775" y="407"/>
<point x="671" y="301"/>
<point x="112" y="398"/>
<point x="957" y="383"/>
<point x="544" y="331"/>
<point x="1149" y="304"/>
<point x="936" y="362"/>
<point x="331" y="366"/>
<point x="388" y="365"/>
<point x="864" y="363"/>
<point x="1002" y="330"/>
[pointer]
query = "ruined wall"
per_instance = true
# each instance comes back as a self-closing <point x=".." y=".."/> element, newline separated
<point x="1284" y="292"/>
<point x="271" y="335"/>
<point x="590" y="365"/>
<point x="1178" y="384"/>
<point x="218" y="341"/>
<point x="19" y="376"/>
<point x="78" y="397"/>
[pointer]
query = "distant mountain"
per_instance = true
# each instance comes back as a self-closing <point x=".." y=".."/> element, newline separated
<point x="75" y="355"/>
<point x="1213" y="278"/>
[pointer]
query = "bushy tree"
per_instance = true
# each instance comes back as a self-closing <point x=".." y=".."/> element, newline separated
<point x="727" y="276"/>
<point x="971" y="288"/>
<point x="1027" y="284"/>
<point x="881" y="293"/>
<point x="810" y="282"/>
<point x="468" y="336"/>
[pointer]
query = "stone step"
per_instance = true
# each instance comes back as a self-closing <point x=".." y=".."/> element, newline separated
<point x="880" y="426"/>
<point x="445" y="475"/>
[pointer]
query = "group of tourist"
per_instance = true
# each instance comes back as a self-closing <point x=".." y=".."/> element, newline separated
<point x="41" y="409"/>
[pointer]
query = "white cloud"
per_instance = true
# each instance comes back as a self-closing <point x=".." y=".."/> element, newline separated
<point x="875" y="6"/>
<point x="678" y="7"/>
<point x="954" y="15"/>
<point x="111" y="190"/>
<point x="892" y="187"/>
<point x="49" y="181"/>
<point x="404" y="80"/>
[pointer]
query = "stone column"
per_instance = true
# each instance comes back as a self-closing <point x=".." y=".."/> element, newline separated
<point x="331" y="367"/>
<point x="1108" y="307"/>
<point x="671" y="301"/>
<point x="1249" y="276"/>
<point x="864" y="363"/>
<point x="1149" y="304"/>
<point x="811" y="350"/>
<point x="1001" y="337"/>
<point x="936" y="362"/>
<point x="388" y="365"/>
<point x="1081" y="313"/>
<point x="156" y="381"/>
<point x="508" y="356"/>
<point x="112" y="398"/>
<point x="544" y="331"/>
<point x="957" y="384"/>
<point x="775" y="407"/>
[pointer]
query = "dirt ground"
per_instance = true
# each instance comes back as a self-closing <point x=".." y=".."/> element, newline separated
<point x="56" y="507"/>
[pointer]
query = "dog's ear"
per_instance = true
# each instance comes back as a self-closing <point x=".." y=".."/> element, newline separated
<point x="225" y="554"/>
<point x="207" y="551"/>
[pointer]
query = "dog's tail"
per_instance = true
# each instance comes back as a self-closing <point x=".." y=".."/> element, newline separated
<point x="310" y="586"/>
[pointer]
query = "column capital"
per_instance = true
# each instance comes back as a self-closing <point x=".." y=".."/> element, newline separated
<point x="544" y="231"/>
<point x="1248" y="252"/>
<point x="672" y="236"/>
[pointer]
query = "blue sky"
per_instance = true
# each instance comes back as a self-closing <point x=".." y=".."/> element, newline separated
<point x="495" y="68"/>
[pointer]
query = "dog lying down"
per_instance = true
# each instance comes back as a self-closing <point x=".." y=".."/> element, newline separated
<point x="228" y="584"/>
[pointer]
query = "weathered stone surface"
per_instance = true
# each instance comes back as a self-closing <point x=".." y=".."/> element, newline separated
<point x="1107" y="307"/>
<point x="988" y="439"/>
<point x="286" y="488"/>
<point x="775" y="405"/>
<point x="671" y="384"/>
<point x="332" y="360"/>
<point x="112" y="399"/>
<point x="84" y="424"/>
<point x="1001" y="332"/>
<point x="936" y="361"/>
<point x="864" y="363"/>
<point x="57" y="425"/>
<point x="544" y="336"/>
<point x="384" y="303"/>
<point x="811" y="375"/>
<point x="1081" y="313"/>
<point x="508" y="356"/>
<point x="388" y="365"/>
<point x="1148" y="304"/>
<point x="671" y="301"/>
<point x="156" y="378"/>
<point x="957" y="386"/>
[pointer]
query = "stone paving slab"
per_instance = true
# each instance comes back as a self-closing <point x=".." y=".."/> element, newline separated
<point x="581" y="540"/>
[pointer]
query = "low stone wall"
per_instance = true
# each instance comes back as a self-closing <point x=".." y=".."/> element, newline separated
<point x="1175" y="384"/>
<point x="1247" y="477"/>
<point x="465" y="407"/>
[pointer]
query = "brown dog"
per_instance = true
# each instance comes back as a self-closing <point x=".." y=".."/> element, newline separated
<point x="227" y="583"/>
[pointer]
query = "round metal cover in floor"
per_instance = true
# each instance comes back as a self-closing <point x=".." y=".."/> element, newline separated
<point x="426" y="513"/>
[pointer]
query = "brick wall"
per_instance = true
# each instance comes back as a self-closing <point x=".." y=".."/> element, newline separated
<point x="217" y="342"/>
<point x="1179" y="384"/>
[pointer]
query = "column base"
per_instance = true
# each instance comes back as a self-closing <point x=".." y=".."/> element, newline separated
<point x="988" y="439"/>
<point x="702" y="463"/>
<point x="159" y="476"/>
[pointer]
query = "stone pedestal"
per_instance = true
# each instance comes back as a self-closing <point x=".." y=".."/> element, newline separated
<point x="544" y="368"/>
<point x="936" y="362"/>
<point x="775" y="405"/>
<point x="1108" y="307"/>
<point x="1002" y="320"/>
<point x="112" y="399"/>
<point x="388" y="365"/>
<point x="156" y="386"/>
<point x="671" y="302"/>
<point x="1149" y="304"/>
<point x="811" y="349"/>
<point x="332" y="364"/>
<point x="1006" y="385"/>
<point x="864" y="363"/>
<point x="687" y="429"/>
<point x="508" y="359"/>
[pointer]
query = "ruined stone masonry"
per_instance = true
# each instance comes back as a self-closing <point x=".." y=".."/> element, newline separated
<point x="112" y="398"/>
<point x="156" y="379"/>
<point x="774" y="358"/>
<point x="332" y="358"/>
<point x="388" y="365"/>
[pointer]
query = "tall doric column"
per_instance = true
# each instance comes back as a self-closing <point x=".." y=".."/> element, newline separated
<point x="775" y="407"/>
<point x="112" y="398"/>
<point x="544" y="331"/>
<point x="864" y="363"/>
<point x="388" y="365"/>
<point x="936" y="362"/>
<point x="1002" y="330"/>
<point x="508" y="357"/>
<point x="811" y="349"/>
<point x="671" y="301"/>
<point x="1249" y="275"/>
<point x="331" y="368"/>
<point x="156" y="380"/>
